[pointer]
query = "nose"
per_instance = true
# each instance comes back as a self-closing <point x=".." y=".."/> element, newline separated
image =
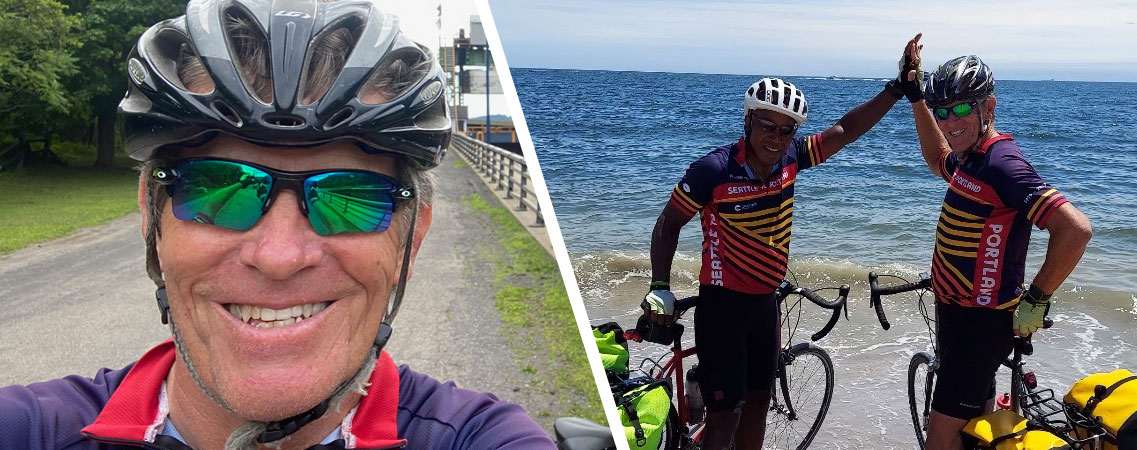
<point x="282" y="243"/>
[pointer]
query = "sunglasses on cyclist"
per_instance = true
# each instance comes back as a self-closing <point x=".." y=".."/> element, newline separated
<point x="961" y="110"/>
<point x="770" y="126"/>
<point x="234" y="195"/>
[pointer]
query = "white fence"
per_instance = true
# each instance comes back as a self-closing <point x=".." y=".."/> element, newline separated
<point x="504" y="169"/>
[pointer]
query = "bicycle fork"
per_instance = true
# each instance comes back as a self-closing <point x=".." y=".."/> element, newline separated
<point x="784" y="359"/>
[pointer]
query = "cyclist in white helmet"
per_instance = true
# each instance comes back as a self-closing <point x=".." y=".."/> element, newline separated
<point x="744" y="191"/>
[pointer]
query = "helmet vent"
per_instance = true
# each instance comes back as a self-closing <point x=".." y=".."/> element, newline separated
<point x="326" y="58"/>
<point x="166" y="51"/>
<point x="284" y="121"/>
<point x="434" y="118"/>
<point x="227" y="113"/>
<point x="394" y="76"/>
<point x="339" y="118"/>
<point x="248" y="46"/>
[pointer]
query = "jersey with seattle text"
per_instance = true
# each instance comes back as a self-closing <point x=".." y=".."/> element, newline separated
<point x="746" y="222"/>
<point x="993" y="197"/>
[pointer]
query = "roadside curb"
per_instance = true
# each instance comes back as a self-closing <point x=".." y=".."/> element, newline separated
<point x="526" y="218"/>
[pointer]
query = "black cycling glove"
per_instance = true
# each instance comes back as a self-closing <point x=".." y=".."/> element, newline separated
<point x="912" y="89"/>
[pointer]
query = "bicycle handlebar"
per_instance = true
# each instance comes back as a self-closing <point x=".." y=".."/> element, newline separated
<point x="837" y="305"/>
<point x="876" y="291"/>
<point x="785" y="289"/>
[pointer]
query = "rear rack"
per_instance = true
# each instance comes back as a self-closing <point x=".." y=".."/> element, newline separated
<point x="1085" y="430"/>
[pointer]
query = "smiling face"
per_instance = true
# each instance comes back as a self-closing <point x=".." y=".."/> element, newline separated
<point x="275" y="317"/>
<point x="963" y="132"/>
<point x="767" y="142"/>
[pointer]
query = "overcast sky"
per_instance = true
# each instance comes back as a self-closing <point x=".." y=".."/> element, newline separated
<point x="1093" y="40"/>
<point x="418" y="19"/>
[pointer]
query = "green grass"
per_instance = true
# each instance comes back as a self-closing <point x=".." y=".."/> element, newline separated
<point x="533" y="304"/>
<point x="459" y="163"/>
<point x="42" y="203"/>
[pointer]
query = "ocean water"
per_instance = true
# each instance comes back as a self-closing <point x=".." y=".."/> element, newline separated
<point x="612" y="145"/>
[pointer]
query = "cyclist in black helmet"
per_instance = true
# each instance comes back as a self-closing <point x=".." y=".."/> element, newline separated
<point x="285" y="193"/>
<point x="994" y="197"/>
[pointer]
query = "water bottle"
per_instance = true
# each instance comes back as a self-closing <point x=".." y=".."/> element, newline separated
<point x="694" y="397"/>
<point x="1004" y="401"/>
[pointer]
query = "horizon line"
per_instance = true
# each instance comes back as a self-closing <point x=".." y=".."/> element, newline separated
<point x="798" y="76"/>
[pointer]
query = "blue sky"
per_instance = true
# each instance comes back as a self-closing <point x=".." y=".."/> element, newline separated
<point x="1096" y="40"/>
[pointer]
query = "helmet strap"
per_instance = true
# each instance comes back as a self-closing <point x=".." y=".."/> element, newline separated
<point x="983" y="125"/>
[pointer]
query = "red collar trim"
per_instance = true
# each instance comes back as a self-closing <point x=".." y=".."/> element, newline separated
<point x="986" y="145"/>
<point x="375" y="424"/>
<point x="740" y="152"/>
<point x="133" y="407"/>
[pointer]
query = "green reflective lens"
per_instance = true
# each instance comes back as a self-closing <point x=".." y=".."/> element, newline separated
<point x="221" y="193"/>
<point x="233" y="194"/>
<point x="349" y="202"/>
<point x="961" y="110"/>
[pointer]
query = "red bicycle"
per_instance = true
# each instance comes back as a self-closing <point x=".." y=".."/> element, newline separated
<point x="804" y="378"/>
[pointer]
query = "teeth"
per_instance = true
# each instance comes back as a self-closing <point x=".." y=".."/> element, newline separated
<point x="268" y="318"/>
<point x="957" y="133"/>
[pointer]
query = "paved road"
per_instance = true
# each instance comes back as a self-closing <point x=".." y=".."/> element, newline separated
<point x="77" y="304"/>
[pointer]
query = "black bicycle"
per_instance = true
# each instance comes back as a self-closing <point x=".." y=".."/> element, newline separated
<point x="1039" y="406"/>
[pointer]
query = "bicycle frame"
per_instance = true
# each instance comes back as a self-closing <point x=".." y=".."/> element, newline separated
<point x="673" y="369"/>
<point x="1038" y="406"/>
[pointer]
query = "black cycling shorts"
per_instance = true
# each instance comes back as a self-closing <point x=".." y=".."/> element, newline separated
<point x="737" y="339"/>
<point x="973" y="342"/>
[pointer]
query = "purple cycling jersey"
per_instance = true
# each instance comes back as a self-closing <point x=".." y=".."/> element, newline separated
<point x="746" y="221"/>
<point x="993" y="197"/>
<point x="120" y="409"/>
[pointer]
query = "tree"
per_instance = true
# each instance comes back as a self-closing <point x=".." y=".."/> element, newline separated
<point x="36" y="43"/>
<point x="110" y="29"/>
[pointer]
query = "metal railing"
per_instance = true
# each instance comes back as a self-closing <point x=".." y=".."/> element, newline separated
<point x="505" y="170"/>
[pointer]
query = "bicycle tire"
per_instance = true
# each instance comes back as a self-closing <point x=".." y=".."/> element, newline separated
<point x="920" y="400"/>
<point x="673" y="435"/>
<point x="808" y="371"/>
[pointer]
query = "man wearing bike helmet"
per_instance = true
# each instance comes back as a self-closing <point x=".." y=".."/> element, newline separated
<point x="744" y="192"/>
<point x="285" y="193"/>
<point x="994" y="196"/>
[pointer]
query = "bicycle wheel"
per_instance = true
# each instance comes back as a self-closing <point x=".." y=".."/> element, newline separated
<point x="804" y="391"/>
<point x="921" y="381"/>
<point x="674" y="433"/>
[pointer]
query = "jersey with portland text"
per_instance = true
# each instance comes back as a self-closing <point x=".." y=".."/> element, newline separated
<point x="993" y="197"/>
<point x="746" y="222"/>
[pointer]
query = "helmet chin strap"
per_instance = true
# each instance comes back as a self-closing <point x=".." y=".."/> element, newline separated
<point x="983" y="125"/>
<point x="280" y="429"/>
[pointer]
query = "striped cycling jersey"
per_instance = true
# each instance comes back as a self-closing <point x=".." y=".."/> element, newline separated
<point x="746" y="222"/>
<point x="993" y="197"/>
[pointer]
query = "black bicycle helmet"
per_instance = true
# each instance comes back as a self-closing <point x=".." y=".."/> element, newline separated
<point x="962" y="78"/>
<point x="159" y="109"/>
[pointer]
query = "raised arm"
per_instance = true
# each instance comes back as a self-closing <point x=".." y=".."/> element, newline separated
<point x="933" y="145"/>
<point x="856" y="122"/>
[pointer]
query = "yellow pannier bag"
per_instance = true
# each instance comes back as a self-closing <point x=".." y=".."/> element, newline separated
<point x="1006" y="430"/>
<point x="1111" y="397"/>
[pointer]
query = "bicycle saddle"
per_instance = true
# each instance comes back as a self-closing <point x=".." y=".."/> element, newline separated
<point x="574" y="433"/>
